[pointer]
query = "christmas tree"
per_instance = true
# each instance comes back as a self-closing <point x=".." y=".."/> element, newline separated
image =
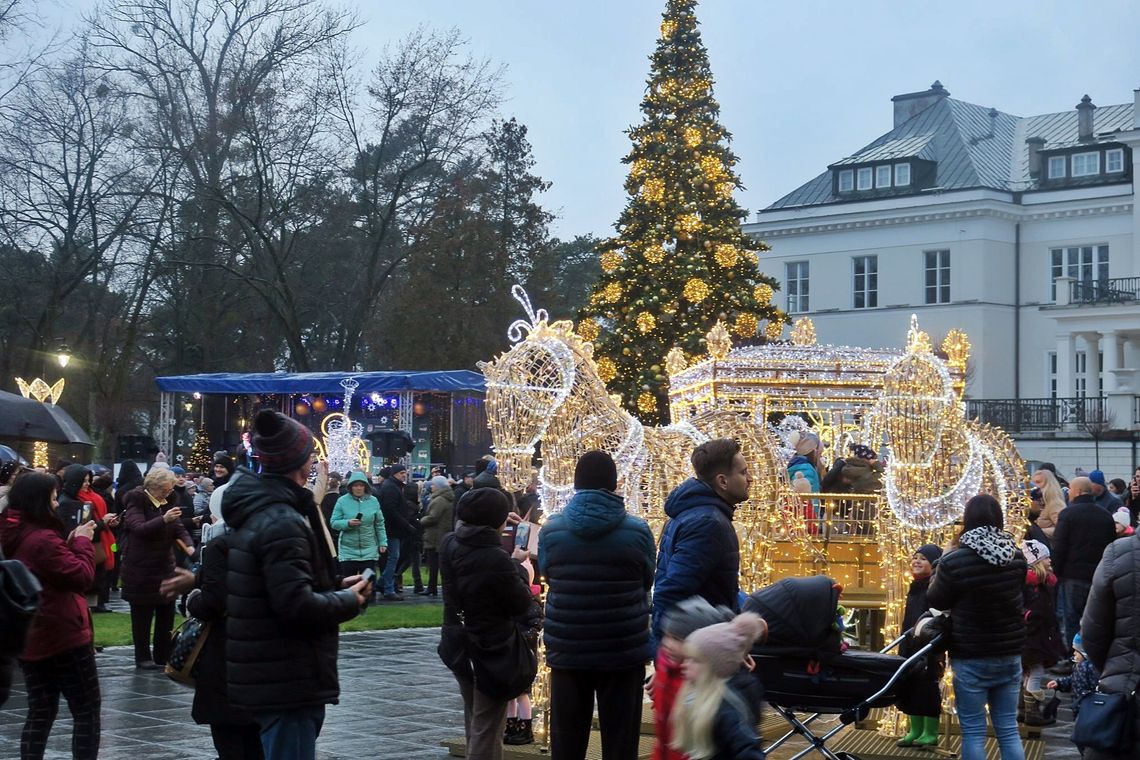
<point x="200" y="455"/>
<point x="679" y="262"/>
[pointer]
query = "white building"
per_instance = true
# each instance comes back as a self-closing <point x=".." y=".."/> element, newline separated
<point x="1022" y="231"/>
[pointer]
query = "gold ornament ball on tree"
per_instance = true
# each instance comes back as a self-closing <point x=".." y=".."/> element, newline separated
<point x="688" y="225"/>
<point x="696" y="290"/>
<point x="712" y="168"/>
<point x="746" y="325"/>
<point x="726" y="255"/>
<point x="606" y="369"/>
<point x="639" y="167"/>
<point x="763" y="293"/>
<point x="774" y="330"/>
<point x="610" y="260"/>
<point x="668" y="28"/>
<point x="646" y="403"/>
<point x="646" y="322"/>
<point x="693" y="137"/>
<point x="653" y="189"/>
<point x="725" y="190"/>
<point x="588" y="329"/>
<point x="611" y="293"/>
<point x="654" y="254"/>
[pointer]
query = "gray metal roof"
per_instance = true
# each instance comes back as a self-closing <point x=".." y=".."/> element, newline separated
<point x="974" y="147"/>
<point x="903" y="147"/>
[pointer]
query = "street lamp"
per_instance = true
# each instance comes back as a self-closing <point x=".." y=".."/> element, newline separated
<point x="63" y="355"/>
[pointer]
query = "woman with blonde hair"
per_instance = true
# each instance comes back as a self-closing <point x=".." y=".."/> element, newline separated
<point x="1053" y="498"/>
<point x="715" y="716"/>
<point x="154" y="527"/>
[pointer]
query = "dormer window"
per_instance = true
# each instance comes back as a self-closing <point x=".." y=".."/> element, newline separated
<point x="846" y="180"/>
<point x="864" y="178"/>
<point x="1086" y="164"/>
<point x="883" y="176"/>
<point x="1114" y="161"/>
<point x="1056" y="167"/>
<point x="902" y="175"/>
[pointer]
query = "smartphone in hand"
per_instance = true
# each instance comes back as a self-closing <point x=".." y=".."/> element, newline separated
<point x="369" y="575"/>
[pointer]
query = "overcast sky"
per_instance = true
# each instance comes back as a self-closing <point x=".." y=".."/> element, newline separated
<point x="801" y="83"/>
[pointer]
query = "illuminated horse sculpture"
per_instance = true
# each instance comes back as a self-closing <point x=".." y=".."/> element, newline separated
<point x="546" y="389"/>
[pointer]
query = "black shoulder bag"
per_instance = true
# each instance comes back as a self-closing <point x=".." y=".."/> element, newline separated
<point x="1104" y="721"/>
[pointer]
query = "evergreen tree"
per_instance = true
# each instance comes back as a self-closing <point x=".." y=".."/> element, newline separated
<point x="200" y="454"/>
<point x="679" y="261"/>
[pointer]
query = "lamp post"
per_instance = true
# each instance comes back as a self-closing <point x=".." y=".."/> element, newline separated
<point x="63" y="355"/>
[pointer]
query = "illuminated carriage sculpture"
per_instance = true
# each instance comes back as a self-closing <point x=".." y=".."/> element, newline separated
<point x="545" y="390"/>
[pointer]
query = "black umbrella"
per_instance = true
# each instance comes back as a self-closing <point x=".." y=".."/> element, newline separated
<point x="8" y="454"/>
<point x="31" y="420"/>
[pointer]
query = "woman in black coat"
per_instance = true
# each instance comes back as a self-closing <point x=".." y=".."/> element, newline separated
<point x="484" y="592"/>
<point x="235" y="733"/>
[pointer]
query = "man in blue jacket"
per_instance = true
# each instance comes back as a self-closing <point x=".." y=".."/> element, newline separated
<point x="598" y="563"/>
<point x="700" y="553"/>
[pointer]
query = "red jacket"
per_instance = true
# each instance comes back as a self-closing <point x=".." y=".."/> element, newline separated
<point x="667" y="681"/>
<point x="66" y="572"/>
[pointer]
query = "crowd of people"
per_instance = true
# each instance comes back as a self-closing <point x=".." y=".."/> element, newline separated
<point x="275" y="560"/>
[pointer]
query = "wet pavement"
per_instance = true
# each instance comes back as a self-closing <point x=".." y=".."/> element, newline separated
<point x="397" y="701"/>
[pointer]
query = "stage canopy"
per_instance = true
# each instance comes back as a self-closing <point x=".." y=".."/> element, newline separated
<point x="322" y="382"/>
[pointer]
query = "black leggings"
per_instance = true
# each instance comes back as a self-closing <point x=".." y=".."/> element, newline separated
<point x="141" y="617"/>
<point x="72" y="674"/>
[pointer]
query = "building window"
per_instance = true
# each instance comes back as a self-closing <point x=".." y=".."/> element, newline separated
<point x="937" y="277"/>
<point x="1053" y="374"/>
<point x="1056" y="167"/>
<point x="1080" y="379"/>
<point x="1114" y="161"/>
<point x="1084" y="263"/>
<point x="866" y="282"/>
<point x="902" y="175"/>
<point x="846" y="181"/>
<point x="797" y="284"/>
<point x="883" y="176"/>
<point x="864" y="179"/>
<point x="1086" y="164"/>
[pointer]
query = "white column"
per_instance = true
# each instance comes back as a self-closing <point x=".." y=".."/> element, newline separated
<point x="1131" y="351"/>
<point x="1111" y="360"/>
<point x="1065" y="358"/>
<point x="1092" y="364"/>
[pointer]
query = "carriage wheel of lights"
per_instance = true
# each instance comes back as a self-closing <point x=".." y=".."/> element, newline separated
<point x="342" y="442"/>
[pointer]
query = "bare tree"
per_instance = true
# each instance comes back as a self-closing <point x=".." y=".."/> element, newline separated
<point x="428" y="103"/>
<point x="238" y="88"/>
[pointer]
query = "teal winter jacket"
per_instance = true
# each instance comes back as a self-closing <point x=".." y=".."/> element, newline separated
<point x="362" y="543"/>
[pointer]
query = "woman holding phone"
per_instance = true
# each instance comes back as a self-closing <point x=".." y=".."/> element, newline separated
<point x="80" y="503"/>
<point x="58" y="657"/>
<point x="357" y="516"/>
<point x="154" y="528"/>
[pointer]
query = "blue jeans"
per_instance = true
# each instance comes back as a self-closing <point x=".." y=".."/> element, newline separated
<point x="988" y="680"/>
<point x="292" y="734"/>
<point x="1074" y="595"/>
<point x="388" y="577"/>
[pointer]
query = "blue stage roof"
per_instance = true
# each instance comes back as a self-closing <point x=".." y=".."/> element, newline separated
<point x="322" y="382"/>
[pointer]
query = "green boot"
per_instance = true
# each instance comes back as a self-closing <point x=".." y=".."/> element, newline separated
<point x="929" y="736"/>
<point x="917" y="726"/>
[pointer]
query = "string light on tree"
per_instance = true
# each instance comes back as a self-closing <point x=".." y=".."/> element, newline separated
<point x="679" y="255"/>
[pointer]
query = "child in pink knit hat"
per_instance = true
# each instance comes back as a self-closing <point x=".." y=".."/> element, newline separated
<point x="714" y="717"/>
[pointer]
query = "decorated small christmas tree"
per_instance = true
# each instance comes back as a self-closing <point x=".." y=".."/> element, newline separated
<point x="679" y="262"/>
<point x="200" y="455"/>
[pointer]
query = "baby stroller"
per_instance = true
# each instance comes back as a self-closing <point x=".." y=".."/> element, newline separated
<point x="804" y="670"/>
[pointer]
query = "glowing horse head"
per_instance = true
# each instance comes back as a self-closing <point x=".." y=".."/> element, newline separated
<point x="527" y="385"/>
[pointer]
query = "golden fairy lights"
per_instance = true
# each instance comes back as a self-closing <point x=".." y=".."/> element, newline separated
<point x="610" y="260"/>
<point x="654" y="254"/>
<point x="726" y="255"/>
<point x="606" y="369"/>
<point x="719" y="342"/>
<point x="803" y="332"/>
<point x="646" y="402"/>
<point x="588" y="329"/>
<point x="646" y="322"/>
<point x="39" y="390"/>
<point x="692" y="136"/>
<point x="763" y="293"/>
<point x="746" y="325"/>
<point x="688" y="225"/>
<point x="611" y="293"/>
<point x="653" y="189"/>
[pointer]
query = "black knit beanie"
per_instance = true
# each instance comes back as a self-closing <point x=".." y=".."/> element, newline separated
<point x="595" y="471"/>
<point x="282" y="444"/>
<point x="483" y="506"/>
<point x="932" y="552"/>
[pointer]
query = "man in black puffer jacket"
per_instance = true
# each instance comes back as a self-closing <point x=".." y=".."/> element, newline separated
<point x="1083" y="530"/>
<point x="1110" y="630"/>
<point x="283" y="604"/>
<point x="598" y="563"/>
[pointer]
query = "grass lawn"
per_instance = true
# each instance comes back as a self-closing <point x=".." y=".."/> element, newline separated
<point x="114" y="629"/>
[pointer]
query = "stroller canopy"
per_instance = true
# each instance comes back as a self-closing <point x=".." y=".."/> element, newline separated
<point x="800" y="612"/>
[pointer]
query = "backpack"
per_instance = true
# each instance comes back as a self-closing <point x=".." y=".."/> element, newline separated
<point x="20" y="593"/>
